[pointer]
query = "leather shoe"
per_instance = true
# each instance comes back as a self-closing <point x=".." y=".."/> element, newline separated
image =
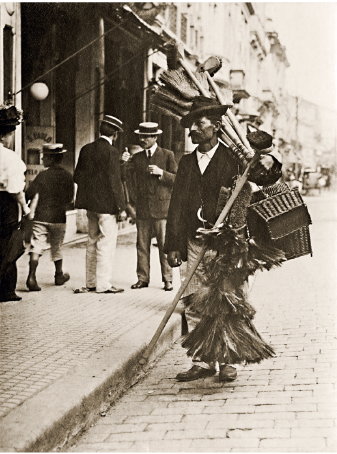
<point x="140" y="284"/>
<point x="168" y="286"/>
<point x="61" y="278"/>
<point x="114" y="290"/>
<point x="227" y="373"/>
<point x="195" y="373"/>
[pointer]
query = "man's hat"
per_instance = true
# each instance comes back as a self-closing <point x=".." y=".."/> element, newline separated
<point x="203" y="106"/>
<point x="53" y="148"/>
<point x="148" y="129"/>
<point x="113" y="121"/>
<point x="10" y="116"/>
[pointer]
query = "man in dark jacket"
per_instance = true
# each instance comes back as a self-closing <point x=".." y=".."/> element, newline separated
<point x="194" y="201"/>
<point x="151" y="177"/>
<point x="100" y="192"/>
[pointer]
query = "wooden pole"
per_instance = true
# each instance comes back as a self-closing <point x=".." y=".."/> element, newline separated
<point x="229" y="113"/>
<point x="239" y="184"/>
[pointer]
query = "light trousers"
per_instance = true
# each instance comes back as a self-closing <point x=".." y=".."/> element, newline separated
<point x="101" y="246"/>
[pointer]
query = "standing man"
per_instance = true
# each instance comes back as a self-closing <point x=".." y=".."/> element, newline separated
<point x="100" y="192"/>
<point x="152" y="173"/>
<point x="200" y="177"/>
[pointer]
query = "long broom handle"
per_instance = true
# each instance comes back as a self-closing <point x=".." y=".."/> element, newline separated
<point x="240" y="182"/>
<point x="229" y="113"/>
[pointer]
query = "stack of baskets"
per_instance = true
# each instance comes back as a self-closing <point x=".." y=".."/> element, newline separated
<point x="282" y="219"/>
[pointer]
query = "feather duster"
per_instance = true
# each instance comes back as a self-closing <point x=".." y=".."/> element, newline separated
<point x="226" y="332"/>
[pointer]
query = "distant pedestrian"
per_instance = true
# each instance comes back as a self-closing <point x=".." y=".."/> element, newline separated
<point x="53" y="190"/>
<point x="12" y="203"/>
<point x="152" y="172"/>
<point x="100" y="192"/>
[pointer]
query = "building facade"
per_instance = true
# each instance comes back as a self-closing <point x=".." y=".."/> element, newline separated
<point x="68" y="64"/>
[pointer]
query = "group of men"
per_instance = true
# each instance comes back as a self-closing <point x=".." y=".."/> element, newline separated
<point x="150" y="177"/>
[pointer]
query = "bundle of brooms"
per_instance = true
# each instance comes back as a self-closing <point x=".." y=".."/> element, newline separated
<point x="225" y="332"/>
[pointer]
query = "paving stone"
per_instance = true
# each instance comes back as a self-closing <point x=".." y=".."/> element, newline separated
<point x="303" y="444"/>
<point x="259" y="433"/>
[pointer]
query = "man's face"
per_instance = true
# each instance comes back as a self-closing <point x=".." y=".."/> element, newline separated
<point x="47" y="160"/>
<point x="147" y="142"/>
<point x="202" y="130"/>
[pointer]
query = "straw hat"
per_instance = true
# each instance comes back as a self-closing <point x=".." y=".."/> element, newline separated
<point x="113" y="121"/>
<point x="148" y="129"/>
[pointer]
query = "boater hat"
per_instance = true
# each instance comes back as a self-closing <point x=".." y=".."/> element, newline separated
<point x="203" y="106"/>
<point x="148" y="129"/>
<point x="53" y="148"/>
<point x="113" y="121"/>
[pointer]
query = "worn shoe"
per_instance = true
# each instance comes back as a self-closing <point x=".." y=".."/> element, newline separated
<point x="85" y="289"/>
<point x="168" y="286"/>
<point x="195" y="373"/>
<point x="114" y="290"/>
<point x="32" y="284"/>
<point x="227" y="373"/>
<point x="140" y="284"/>
<point x="61" y="279"/>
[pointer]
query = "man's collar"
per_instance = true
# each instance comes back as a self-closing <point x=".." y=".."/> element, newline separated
<point x="209" y="153"/>
<point x="153" y="148"/>
<point x="107" y="138"/>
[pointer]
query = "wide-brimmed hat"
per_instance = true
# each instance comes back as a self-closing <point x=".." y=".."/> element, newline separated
<point x="10" y="116"/>
<point x="148" y="129"/>
<point x="53" y="148"/>
<point x="113" y="121"/>
<point x="203" y="106"/>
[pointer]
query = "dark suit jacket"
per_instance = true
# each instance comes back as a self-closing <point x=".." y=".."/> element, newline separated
<point x="191" y="187"/>
<point x="97" y="175"/>
<point x="148" y="193"/>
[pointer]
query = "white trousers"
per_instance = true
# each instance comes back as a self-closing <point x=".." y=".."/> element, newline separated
<point x="101" y="246"/>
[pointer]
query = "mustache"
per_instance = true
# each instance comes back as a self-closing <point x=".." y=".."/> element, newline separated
<point x="192" y="133"/>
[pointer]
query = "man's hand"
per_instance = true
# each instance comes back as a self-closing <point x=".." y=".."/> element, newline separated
<point x="155" y="170"/>
<point x="122" y="216"/>
<point x="126" y="155"/>
<point x="174" y="259"/>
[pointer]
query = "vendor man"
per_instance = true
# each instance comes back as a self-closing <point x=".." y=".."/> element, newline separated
<point x="199" y="179"/>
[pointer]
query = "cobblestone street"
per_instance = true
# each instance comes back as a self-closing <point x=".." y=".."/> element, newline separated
<point x="284" y="404"/>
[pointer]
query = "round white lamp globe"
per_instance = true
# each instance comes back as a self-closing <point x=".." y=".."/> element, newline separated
<point x="39" y="91"/>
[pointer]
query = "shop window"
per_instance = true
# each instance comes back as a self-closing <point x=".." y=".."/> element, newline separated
<point x="8" y="63"/>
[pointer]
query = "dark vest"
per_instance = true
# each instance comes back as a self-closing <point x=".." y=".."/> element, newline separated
<point x="204" y="192"/>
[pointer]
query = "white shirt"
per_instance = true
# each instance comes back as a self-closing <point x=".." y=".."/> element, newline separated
<point x="151" y="150"/>
<point x="205" y="158"/>
<point x="12" y="169"/>
<point x="108" y="139"/>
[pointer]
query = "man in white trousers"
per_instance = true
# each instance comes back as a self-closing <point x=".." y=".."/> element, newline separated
<point x="100" y="192"/>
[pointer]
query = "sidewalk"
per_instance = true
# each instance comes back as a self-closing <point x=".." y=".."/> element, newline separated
<point x="63" y="354"/>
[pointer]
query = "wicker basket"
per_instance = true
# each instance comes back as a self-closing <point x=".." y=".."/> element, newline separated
<point x="281" y="218"/>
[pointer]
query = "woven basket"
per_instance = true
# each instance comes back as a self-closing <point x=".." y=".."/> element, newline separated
<point x="281" y="218"/>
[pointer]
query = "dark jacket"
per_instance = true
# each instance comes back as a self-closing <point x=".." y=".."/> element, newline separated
<point x="97" y="175"/>
<point x="191" y="189"/>
<point x="148" y="193"/>
<point x="55" y="187"/>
